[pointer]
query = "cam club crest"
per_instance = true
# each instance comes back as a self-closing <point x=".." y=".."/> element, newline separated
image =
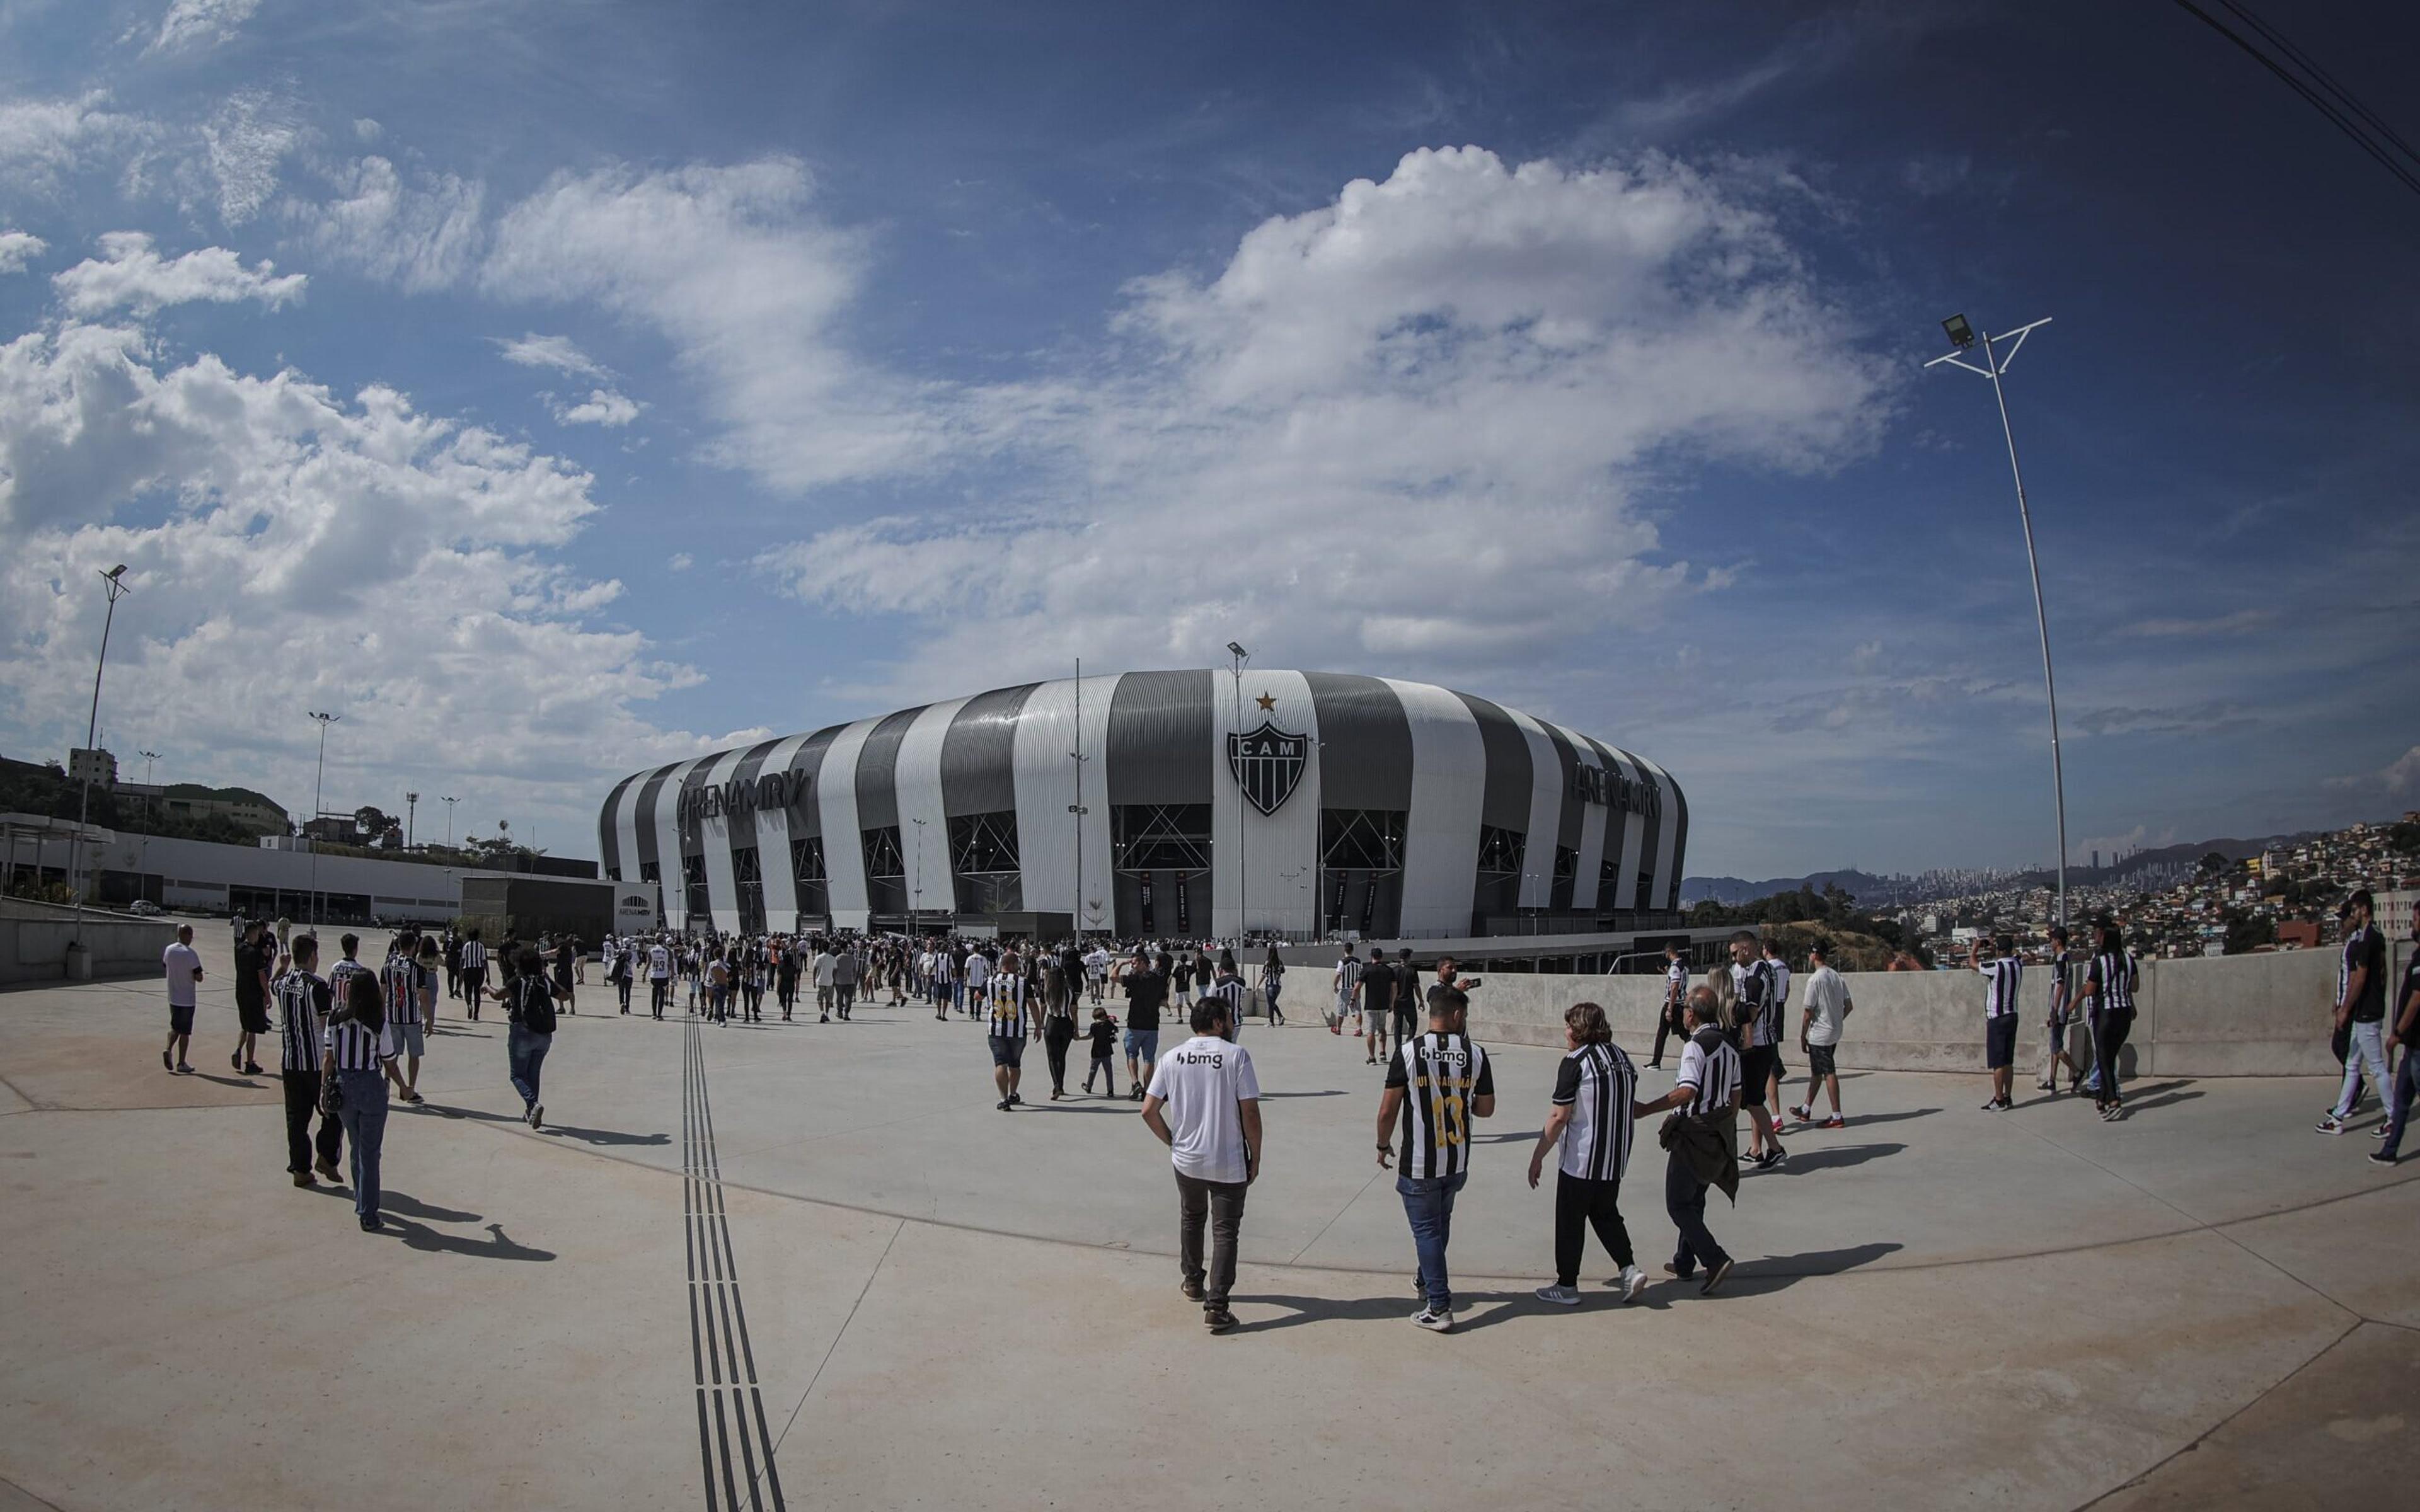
<point x="1267" y="763"/>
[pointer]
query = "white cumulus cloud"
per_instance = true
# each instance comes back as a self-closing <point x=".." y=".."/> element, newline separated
<point x="420" y="236"/>
<point x="603" y="407"/>
<point x="735" y="269"/>
<point x="1404" y="428"/>
<point x="129" y="274"/>
<point x="559" y="353"/>
<point x="291" y="549"/>
<point x="18" y="248"/>
<point x="200" y="23"/>
<point x="43" y="142"/>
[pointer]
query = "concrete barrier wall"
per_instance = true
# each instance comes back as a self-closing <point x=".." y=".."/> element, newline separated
<point x="34" y="944"/>
<point x="2212" y="1016"/>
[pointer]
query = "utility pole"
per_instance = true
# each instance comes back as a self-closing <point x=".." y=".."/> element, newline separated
<point x="1078" y="807"/>
<point x="449" y="820"/>
<point x="1242" y="926"/>
<point x="318" y="793"/>
<point x="143" y="866"/>
<point x="114" y="584"/>
<point x="917" y="881"/>
<point x="1963" y="336"/>
<point x="411" y="807"/>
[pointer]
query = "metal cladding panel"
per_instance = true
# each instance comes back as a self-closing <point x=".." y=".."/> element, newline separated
<point x="1593" y="822"/>
<point x="1634" y="832"/>
<point x="1159" y="748"/>
<point x="1048" y="734"/>
<point x="651" y="847"/>
<point x="1506" y="804"/>
<point x="1666" y="888"/>
<point x="1547" y="785"/>
<point x="714" y="833"/>
<point x="773" y="842"/>
<point x="668" y="837"/>
<point x="609" y="834"/>
<point x="1573" y="817"/>
<point x="917" y="780"/>
<point x="1249" y="867"/>
<point x="627" y="826"/>
<point x="1680" y="841"/>
<point x="878" y="774"/>
<point x="1654" y="833"/>
<point x="836" y="804"/>
<point x="1449" y="793"/>
<point x="807" y="769"/>
<point x="1365" y="742"/>
<point x="979" y="755"/>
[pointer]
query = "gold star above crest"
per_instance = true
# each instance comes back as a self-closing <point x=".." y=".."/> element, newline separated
<point x="1265" y="701"/>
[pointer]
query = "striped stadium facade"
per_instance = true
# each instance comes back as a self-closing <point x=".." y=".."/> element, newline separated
<point x="1293" y="803"/>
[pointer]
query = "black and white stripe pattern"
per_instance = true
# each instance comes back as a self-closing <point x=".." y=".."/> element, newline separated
<point x="730" y="1405"/>
<point x="1007" y="992"/>
<point x="1450" y="762"/>
<point x="404" y="979"/>
<point x="1709" y="1064"/>
<point x="1598" y="1083"/>
<point x="2001" y="980"/>
<point x="1442" y="1073"/>
<point x="475" y="956"/>
<point x="1231" y="992"/>
<point x="1348" y="975"/>
<point x="357" y="1047"/>
<point x="2113" y="973"/>
<point x="302" y="1018"/>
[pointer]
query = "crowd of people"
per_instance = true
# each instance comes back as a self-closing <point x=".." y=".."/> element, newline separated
<point x="353" y="1038"/>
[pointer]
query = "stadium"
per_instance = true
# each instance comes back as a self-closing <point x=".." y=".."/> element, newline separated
<point x="1182" y="804"/>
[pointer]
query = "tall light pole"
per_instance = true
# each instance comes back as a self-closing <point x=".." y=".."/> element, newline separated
<point x="449" y="820"/>
<point x="1242" y="919"/>
<point x="113" y="583"/>
<point x="319" y="787"/>
<point x="143" y="866"/>
<point x="1078" y="807"/>
<point x="411" y="807"/>
<point x="916" y="884"/>
<point x="1964" y="337"/>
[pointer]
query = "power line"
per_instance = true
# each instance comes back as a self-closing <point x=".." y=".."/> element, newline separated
<point x="2336" y="116"/>
<point x="2327" y="81"/>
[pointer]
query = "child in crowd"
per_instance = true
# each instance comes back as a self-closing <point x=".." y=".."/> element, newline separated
<point x="1103" y="1032"/>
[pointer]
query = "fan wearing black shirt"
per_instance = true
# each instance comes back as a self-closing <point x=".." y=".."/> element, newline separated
<point x="1376" y="993"/>
<point x="1147" y="990"/>
<point x="251" y="996"/>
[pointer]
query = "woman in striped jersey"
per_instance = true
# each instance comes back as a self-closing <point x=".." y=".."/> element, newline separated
<point x="2109" y="987"/>
<point x="1703" y="1136"/>
<point x="356" y="1057"/>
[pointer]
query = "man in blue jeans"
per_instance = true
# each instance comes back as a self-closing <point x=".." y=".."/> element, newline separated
<point x="2402" y="1028"/>
<point x="1437" y="1082"/>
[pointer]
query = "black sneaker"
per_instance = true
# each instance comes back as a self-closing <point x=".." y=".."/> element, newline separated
<point x="1775" y="1155"/>
<point x="1714" y="1277"/>
<point x="1192" y="1290"/>
<point x="1218" y="1319"/>
<point x="1001" y="1104"/>
<point x="2379" y="1157"/>
<point x="1015" y="1097"/>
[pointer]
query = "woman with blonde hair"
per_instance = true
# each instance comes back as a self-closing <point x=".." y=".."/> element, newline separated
<point x="1725" y="990"/>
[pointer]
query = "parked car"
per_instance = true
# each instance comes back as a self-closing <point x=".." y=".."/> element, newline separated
<point x="146" y="907"/>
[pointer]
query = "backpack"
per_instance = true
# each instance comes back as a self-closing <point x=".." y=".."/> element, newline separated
<point x="532" y="1004"/>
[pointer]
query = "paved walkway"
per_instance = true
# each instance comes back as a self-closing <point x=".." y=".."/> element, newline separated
<point x="812" y="1265"/>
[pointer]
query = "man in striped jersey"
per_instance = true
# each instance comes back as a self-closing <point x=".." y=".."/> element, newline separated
<point x="2063" y="1014"/>
<point x="1226" y="985"/>
<point x="403" y="981"/>
<point x="1594" y="1110"/>
<point x="2002" y="974"/>
<point x="302" y="1003"/>
<point x="1009" y="1016"/>
<point x="1436" y="1084"/>
<point x="1348" y="976"/>
<point x="474" y="973"/>
<point x="1702" y="1139"/>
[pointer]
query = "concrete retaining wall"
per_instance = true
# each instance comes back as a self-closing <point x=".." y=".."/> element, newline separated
<point x="34" y="943"/>
<point x="2212" y="1016"/>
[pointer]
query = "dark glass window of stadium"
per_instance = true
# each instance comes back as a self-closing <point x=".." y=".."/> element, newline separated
<point x="984" y="862"/>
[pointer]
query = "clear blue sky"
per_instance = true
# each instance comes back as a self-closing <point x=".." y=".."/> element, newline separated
<point x="554" y="389"/>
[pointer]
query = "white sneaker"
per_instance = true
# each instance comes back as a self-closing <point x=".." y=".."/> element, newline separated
<point x="2328" y="1125"/>
<point x="1435" y="1322"/>
<point x="1634" y="1281"/>
<point x="1559" y="1296"/>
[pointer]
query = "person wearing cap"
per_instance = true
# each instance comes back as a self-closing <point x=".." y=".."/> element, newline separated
<point x="2360" y="1008"/>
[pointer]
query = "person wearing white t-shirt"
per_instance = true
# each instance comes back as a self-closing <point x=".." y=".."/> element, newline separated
<point x="1204" y="1105"/>
<point x="1827" y="1007"/>
<point x="183" y="965"/>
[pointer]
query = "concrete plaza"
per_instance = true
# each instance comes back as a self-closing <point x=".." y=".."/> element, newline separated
<point x="810" y="1264"/>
